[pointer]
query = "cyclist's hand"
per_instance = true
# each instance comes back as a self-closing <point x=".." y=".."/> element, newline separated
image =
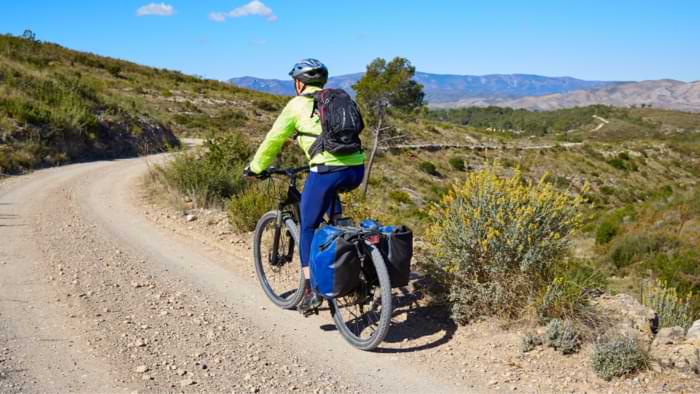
<point x="248" y="173"/>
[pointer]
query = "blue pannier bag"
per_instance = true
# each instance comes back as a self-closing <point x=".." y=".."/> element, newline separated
<point x="335" y="264"/>
<point x="396" y="246"/>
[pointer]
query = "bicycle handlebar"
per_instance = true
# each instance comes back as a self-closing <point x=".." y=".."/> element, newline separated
<point x="289" y="172"/>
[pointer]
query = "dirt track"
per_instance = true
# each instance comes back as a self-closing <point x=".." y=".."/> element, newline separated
<point x="95" y="297"/>
<point x="101" y="292"/>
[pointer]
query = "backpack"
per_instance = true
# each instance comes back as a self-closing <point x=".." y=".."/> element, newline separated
<point x="341" y="123"/>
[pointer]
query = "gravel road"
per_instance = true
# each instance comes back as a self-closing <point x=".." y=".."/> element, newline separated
<point x="95" y="297"/>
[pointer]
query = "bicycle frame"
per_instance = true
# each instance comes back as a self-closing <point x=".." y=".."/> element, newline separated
<point x="289" y="207"/>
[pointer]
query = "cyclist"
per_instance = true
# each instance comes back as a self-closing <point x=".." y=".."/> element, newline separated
<point x="329" y="173"/>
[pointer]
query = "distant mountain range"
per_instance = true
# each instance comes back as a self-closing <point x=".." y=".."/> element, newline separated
<point x="663" y="93"/>
<point x="441" y="89"/>
<point x="522" y="91"/>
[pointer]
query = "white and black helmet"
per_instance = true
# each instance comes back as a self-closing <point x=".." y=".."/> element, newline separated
<point x="310" y="72"/>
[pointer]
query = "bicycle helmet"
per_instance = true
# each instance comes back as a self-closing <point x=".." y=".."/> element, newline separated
<point x="310" y="72"/>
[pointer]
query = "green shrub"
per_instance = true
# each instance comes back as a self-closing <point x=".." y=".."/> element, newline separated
<point x="607" y="190"/>
<point x="562" y="299"/>
<point x="618" y="356"/>
<point x="583" y="274"/>
<point x="428" y="168"/>
<point x="624" y="156"/>
<point x="497" y="241"/>
<point x="457" y="163"/>
<point x="203" y="184"/>
<point x="208" y="178"/>
<point x="562" y="336"/>
<point x="438" y="191"/>
<point x="679" y="269"/>
<point x="507" y="162"/>
<point x="400" y="196"/>
<point x="617" y="163"/>
<point x="247" y="207"/>
<point x="672" y="309"/>
<point x="606" y="231"/>
<point x="265" y="105"/>
<point x="623" y="162"/>
<point x="609" y="225"/>
<point x="231" y="118"/>
<point x="227" y="151"/>
<point x="529" y="342"/>
<point x="632" y="248"/>
<point x="114" y="69"/>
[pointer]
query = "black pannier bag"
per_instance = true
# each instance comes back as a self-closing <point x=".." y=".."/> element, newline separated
<point x="397" y="248"/>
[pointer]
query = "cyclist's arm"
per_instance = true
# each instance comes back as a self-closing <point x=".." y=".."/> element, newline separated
<point x="281" y="130"/>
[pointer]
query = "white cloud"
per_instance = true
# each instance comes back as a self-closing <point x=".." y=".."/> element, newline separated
<point x="254" y="8"/>
<point x="217" y="16"/>
<point x="158" y="9"/>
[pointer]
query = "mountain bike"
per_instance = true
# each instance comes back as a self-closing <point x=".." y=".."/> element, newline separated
<point x="363" y="316"/>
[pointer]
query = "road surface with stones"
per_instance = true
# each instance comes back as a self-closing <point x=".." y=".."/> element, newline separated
<point x="94" y="297"/>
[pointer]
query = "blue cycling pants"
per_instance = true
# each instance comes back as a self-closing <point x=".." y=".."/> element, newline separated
<point x="319" y="197"/>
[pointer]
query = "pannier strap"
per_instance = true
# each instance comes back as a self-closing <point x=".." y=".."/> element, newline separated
<point x="329" y="241"/>
<point x="349" y="236"/>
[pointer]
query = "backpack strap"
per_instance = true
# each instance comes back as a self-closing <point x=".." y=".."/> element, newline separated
<point x="313" y="111"/>
<point x="313" y="96"/>
<point x="301" y="133"/>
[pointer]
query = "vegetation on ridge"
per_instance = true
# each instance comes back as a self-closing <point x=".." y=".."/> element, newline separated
<point x="59" y="106"/>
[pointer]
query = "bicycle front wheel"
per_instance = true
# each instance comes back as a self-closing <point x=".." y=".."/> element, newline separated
<point x="363" y="316"/>
<point x="281" y="278"/>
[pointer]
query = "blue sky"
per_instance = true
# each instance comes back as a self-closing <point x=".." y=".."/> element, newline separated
<point x="592" y="39"/>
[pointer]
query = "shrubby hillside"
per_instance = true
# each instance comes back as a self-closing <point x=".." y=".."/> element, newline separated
<point x="59" y="106"/>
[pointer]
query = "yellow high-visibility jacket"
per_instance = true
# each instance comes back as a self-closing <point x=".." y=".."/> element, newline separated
<point x="296" y="116"/>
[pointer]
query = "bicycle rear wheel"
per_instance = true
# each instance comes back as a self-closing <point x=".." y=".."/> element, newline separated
<point x="363" y="316"/>
<point x="282" y="280"/>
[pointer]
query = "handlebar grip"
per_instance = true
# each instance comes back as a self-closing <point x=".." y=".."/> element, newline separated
<point x="248" y="173"/>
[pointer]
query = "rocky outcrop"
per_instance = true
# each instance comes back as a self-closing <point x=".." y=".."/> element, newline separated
<point x="673" y="348"/>
<point x="669" y="347"/>
<point x="112" y="136"/>
<point x="627" y="316"/>
<point x="693" y="334"/>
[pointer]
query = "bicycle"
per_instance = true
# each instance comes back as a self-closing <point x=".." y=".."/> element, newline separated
<point x="363" y="316"/>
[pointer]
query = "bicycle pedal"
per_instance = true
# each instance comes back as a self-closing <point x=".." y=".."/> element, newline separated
<point x="309" y="312"/>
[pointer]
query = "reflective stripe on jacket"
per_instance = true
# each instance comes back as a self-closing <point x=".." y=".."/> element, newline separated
<point x="296" y="116"/>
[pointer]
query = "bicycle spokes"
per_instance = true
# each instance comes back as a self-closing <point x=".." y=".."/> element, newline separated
<point x="361" y="311"/>
<point x="281" y="269"/>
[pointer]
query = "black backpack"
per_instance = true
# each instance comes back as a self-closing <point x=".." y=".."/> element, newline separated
<point x="341" y="123"/>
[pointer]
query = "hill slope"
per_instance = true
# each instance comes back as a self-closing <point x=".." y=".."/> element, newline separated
<point x="450" y="88"/>
<point x="59" y="106"/>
